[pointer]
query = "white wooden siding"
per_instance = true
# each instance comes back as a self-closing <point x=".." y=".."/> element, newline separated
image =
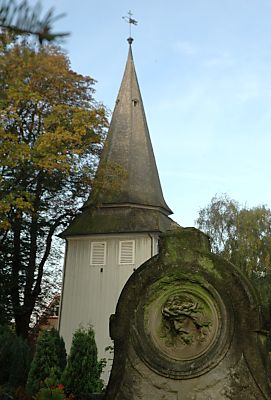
<point x="90" y="293"/>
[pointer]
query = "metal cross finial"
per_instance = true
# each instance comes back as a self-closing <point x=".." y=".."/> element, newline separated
<point x="130" y="21"/>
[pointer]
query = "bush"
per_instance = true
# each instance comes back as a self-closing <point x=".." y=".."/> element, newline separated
<point x="82" y="374"/>
<point x="6" y="339"/>
<point x="15" y="359"/>
<point x="49" y="361"/>
<point x="51" y="392"/>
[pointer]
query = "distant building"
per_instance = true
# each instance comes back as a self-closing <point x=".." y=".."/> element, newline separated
<point x="49" y="318"/>
<point x="120" y="224"/>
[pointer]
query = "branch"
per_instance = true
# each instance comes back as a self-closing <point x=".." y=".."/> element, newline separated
<point x="3" y="236"/>
<point x="22" y="19"/>
<point x="33" y="237"/>
<point x="16" y="262"/>
<point x="51" y="232"/>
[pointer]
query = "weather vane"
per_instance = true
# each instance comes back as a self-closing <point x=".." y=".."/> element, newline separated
<point x="130" y="21"/>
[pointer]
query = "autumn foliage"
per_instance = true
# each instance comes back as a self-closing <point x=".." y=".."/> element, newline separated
<point x="51" y="131"/>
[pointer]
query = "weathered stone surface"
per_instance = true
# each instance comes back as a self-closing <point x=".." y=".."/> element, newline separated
<point x="188" y="326"/>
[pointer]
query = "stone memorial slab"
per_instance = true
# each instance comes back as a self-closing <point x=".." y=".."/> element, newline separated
<point x="189" y="326"/>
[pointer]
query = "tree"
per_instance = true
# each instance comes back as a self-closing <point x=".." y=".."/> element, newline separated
<point x="22" y="19"/>
<point x="241" y="235"/>
<point x="51" y="131"/>
<point x="83" y="370"/>
<point x="49" y="361"/>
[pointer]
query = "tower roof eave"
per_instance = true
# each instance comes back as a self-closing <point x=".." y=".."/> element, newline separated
<point x="100" y="220"/>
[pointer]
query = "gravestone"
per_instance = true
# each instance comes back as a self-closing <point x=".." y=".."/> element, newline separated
<point x="188" y="326"/>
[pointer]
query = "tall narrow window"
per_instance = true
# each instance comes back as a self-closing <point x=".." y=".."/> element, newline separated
<point x="127" y="252"/>
<point x="98" y="253"/>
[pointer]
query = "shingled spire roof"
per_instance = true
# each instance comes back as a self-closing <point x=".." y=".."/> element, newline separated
<point x="127" y="179"/>
<point x="128" y="161"/>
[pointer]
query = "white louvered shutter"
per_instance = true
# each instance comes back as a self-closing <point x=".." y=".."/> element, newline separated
<point x="98" y="253"/>
<point x="127" y="252"/>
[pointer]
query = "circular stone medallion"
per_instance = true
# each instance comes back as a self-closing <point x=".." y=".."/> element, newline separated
<point x="181" y="329"/>
<point x="182" y="325"/>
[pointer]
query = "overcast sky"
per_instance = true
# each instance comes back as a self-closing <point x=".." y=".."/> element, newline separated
<point x="204" y="69"/>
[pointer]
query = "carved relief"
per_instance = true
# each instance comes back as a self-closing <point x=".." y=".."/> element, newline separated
<point x="184" y="321"/>
<point x="183" y="324"/>
<point x="182" y="328"/>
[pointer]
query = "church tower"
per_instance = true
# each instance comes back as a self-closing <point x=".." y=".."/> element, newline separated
<point x="119" y="226"/>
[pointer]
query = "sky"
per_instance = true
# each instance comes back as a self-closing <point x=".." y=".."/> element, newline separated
<point x="204" y="70"/>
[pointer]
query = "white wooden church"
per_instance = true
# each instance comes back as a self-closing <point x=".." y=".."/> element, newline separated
<point x="119" y="226"/>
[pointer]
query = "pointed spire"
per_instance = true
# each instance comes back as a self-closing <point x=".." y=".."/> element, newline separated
<point x="127" y="195"/>
<point x="127" y="173"/>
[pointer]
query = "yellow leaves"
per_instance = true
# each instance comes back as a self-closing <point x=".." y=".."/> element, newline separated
<point x="29" y="73"/>
<point x="21" y="201"/>
<point x="50" y="128"/>
<point x="4" y="224"/>
<point x="23" y="204"/>
<point x="12" y="152"/>
<point x="68" y="133"/>
<point x="18" y="202"/>
<point x="55" y="150"/>
<point x="21" y="93"/>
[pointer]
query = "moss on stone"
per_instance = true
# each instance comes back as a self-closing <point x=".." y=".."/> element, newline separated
<point x="209" y="266"/>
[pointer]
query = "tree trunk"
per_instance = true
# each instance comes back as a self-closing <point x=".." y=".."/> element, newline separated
<point x="22" y="321"/>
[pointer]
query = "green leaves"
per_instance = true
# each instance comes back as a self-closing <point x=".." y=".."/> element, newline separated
<point x="240" y="234"/>
<point x="82" y="373"/>
<point x="49" y="361"/>
<point x="14" y="359"/>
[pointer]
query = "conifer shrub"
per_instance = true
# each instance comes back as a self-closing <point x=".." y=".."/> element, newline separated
<point x="5" y="346"/>
<point x="19" y="363"/>
<point x="82" y="373"/>
<point x="15" y="358"/>
<point x="49" y="361"/>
